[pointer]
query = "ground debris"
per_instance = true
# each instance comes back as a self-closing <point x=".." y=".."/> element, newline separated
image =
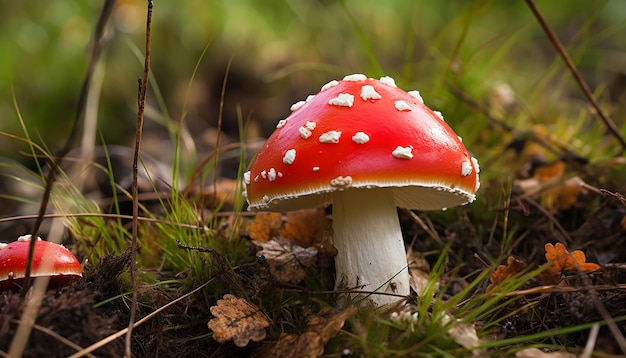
<point x="238" y="320"/>
<point x="321" y="327"/>
<point x="287" y="260"/>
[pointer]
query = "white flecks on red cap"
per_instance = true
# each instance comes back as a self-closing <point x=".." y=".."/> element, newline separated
<point x="355" y="77"/>
<point x="316" y="169"/>
<point x="246" y="178"/>
<point x="309" y="98"/>
<point x="475" y="161"/>
<point x="403" y="152"/>
<point x="466" y="169"/>
<point x="330" y="137"/>
<point x="439" y="114"/>
<point x="343" y="100"/>
<point x="289" y="156"/>
<point x="368" y="92"/>
<point x="341" y="182"/>
<point x="281" y="123"/>
<point x="416" y="94"/>
<point x="271" y="175"/>
<point x="402" y="106"/>
<point x="296" y="106"/>
<point x="310" y="125"/>
<point x="360" y="138"/>
<point x="256" y="179"/>
<point x="388" y="81"/>
<point x="264" y="174"/>
<point x="330" y="84"/>
<point x="305" y="133"/>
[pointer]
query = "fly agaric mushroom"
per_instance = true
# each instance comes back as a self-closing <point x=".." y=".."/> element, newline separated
<point x="49" y="259"/>
<point x="366" y="146"/>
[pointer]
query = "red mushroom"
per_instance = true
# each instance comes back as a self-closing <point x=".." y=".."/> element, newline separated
<point x="367" y="147"/>
<point x="49" y="259"/>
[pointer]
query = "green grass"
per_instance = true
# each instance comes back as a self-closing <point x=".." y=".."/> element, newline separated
<point x="456" y="53"/>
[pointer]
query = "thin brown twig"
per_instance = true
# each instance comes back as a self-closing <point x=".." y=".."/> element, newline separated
<point x="577" y="76"/>
<point x="143" y="88"/>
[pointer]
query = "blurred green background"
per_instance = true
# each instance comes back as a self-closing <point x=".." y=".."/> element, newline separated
<point x="283" y="50"/>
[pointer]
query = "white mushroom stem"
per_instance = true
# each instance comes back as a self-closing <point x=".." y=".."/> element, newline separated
<point x="371" y="254"/>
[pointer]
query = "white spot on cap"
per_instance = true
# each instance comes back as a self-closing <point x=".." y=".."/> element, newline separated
<point x="439" y="114"/>
<point x="343" y="100"/>
<point x="3" y="245"/>
<point x="280" y="174"/>
<point x="330" y="84"/>
<point x="402" y="106"/>
<point x="475" y="161"/>
<point x="316" y="169"/>
<point x="309" y="98"/>
<point x="460" y="139"/>
<point x="306" y="130"/>
<point x="271" y="175"/>
<point x="246" y="178"/>
<point x="256" y="179"/>
<point x="360" y="138"/>
<point x="264" y="174"/>
<point x="341" y="182"/>
<point x="416" y="94"/>
<point x="281" y="123"/>
<point x="403" y="152"/>
<point x="466" y="168"/>
<point x="368" y="92"/>
<point x="388" y="81"/>
<point x="330" y="137"/>
<point x="296" y="106"/>
<point x="27" y="237"/>
<point x="290" y="156"/>
<point x="355" y="77"/>
<point x="265" y="199"/>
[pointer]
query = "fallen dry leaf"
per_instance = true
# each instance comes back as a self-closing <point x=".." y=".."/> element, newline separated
<point x="239" y="320"/>
<point x="265" y="226"/>
<point x="536" y="353"/>
<point x="308" y="227"/>
<point x="562" y="260"/>
<point x="310" y="343"/>
<point x="513" y="267"/>
<point x="287" y="260"/>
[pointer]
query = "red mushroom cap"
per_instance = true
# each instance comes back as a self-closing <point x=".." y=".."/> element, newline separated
<point x="362" y="133"/>
<point x="60" y="264"/>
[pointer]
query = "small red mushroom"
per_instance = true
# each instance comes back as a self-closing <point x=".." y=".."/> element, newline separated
<point x="49" y="259"/>
<point x="365" y="146"/>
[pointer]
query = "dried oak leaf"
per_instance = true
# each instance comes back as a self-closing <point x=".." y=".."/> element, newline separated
<point x="308" y="227"/>
<point x="287" y="260"/>
<point x="310" y="343"/>
<point x="239" y="320"/>
<point x="561" y="260"/>
<point x="513" y="267"/>
<point x="265" y="226"/>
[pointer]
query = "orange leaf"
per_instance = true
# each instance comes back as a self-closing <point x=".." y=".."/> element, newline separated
<point x="265" y="226"/>
<point x="308" y="227"/>
<point x="513" y="266"/>
<point x="561" y="260"/>
<point x="238" y="320"/>
<point x="310" y="343"/>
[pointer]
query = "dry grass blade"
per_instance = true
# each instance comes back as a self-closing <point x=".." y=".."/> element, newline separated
<point x="143" y="88"/>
